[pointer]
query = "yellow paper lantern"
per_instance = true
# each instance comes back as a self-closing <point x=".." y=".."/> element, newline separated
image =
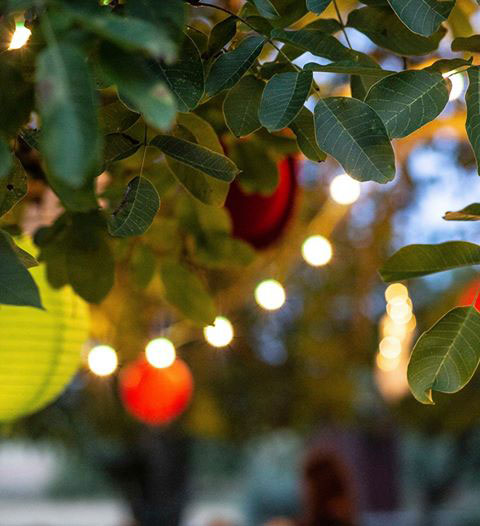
<point x="39" y="350"/>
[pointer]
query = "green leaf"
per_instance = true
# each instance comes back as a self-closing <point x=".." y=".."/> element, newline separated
<point x="446" y="356"/>
<point x="420" y="260"/>
<point x="13" y="187"/>
<point x="116" y="117"/>
<point x="221" y="34"/>
<point x="196" y="156"/>
<point x="129" y="33"/>
<point x="219" y="250"/>
<point x="303" y="127"/>
<point x="230" y="67"/>
<point x="349" y="67"/>
<point x="137" y="210"/>
<point x="143" y="265"/>
<point x="266" y="8"/>
<point x="316" y="42"/>
<point x="472" y="100"/>
<point x="351" y="132"/>
<point x="168" y="17"/>
<point x="422" y="16"/>
<point x="469" y="213"/>
<point x="185" y="77"/>
<point x="283" y="98"/>
<point x="467" y="44"/>
<point x="382" y="27"/>
<point x="408" y="100"/>
<point x="70" y="140"/>
<point x="17" y="286"/>
<point x="5" y="159"/>
<point x="185" y="291"/>
<point x="119" y="146"/>
<point x="249" y="156"/>
<point x="446" y="65"/>
<point x="89" y="260"/>
<point x="16" y="98"/>
<point x="81" y="200"/>
<point x="317" y="6"/>
<point x="240" y="106"/>
<point x="137" y="83"/>
<point x="206" y="189"/>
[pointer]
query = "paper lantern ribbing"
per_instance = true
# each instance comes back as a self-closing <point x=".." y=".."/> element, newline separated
<point x="261" y="220"/>
<point x="156" y="395"/>
<point x="39" y="350"/>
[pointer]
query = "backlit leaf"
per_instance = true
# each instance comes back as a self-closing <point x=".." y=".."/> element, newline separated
<point x="446" y="356"/>
<point x="13" y="187"/>
<point x="420" y="260"/>
<point x="351" y="132"/>
<point x="469" y="213"/>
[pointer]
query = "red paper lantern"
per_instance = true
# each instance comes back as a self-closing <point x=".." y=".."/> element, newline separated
<point x="156" y="396"/>
<point x="469" y="294"/>
<point x="261" y="220"/>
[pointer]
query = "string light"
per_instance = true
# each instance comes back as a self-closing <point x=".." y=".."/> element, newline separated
<point x="270" y="294"/>
<point x="102" y="360"/>
<point x="317" y="251"/>
<point x="220" y="334"/>
<point x="160" y="353"/>
<point x="344" y="190"/>
<point x="20" y="36"/>
<point x="390" y="347"/>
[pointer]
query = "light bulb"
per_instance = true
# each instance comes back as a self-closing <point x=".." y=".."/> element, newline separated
<point x="160" y="353"/>
<point x="102" y="360"/>
<point x="390" y="347"/>
<point x="270" y="294"/>
<point x="344" y="190"/>
<point x="20" y="36"/>
<point x="220" y="334"/>
<point x="317" y="251"/>
<point x="400" y="310"/>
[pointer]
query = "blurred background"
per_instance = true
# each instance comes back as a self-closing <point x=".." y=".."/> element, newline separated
<point x="302" y="382"/>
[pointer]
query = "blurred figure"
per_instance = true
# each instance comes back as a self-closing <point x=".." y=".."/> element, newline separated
<point x="326" y="492"/>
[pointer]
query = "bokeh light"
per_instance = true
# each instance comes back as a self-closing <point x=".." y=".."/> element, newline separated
<point x="160" y="353"/>
<point x="390" y="347"/>
<point x="396" y="290"/>
<point x="317" y="251"/>
<point x="102" y="360"/>
<point x="387" y="364"/>
<point x="344" y="190"/>
<point x="458" y="85"/>
<point x="20" y="36"/>
<point x="220" y="334"/>
<point x="270" y="294"/>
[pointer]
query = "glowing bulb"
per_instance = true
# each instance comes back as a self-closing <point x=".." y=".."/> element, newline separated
<point x="160" y="353"/>
<point x="458" y="85"/>
<point x="317" y="251"/>
<point x="220" y="334"/>
<point x="396" y="290"/>
<point x="102" y="360"/>
<point x="270" y="294"/>
<point x="390" y="347"/>
<point x="390" y="328"/>
<point x="387" y="364"/>
<point x="344" y="190"/>
<point x="20" y="37"/>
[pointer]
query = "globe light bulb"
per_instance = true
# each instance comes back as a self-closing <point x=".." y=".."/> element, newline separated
<point x="220" y="334"/>
<point x="317" y="251"/>
<point x="20" y="37"/>
<point x="160" y="353"/>
<point x="102" y="360"/>
<point x="344" y="190"/>
<point x="390" y="347"/>
<point x="400" y="310"/>
<point x="458" y="85"/>
<point x="270" y="294"/>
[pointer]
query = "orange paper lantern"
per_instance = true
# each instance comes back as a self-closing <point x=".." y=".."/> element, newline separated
<point x="156" y="395"/>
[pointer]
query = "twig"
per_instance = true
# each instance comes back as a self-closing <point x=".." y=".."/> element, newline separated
<point x="340" y="19"/>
